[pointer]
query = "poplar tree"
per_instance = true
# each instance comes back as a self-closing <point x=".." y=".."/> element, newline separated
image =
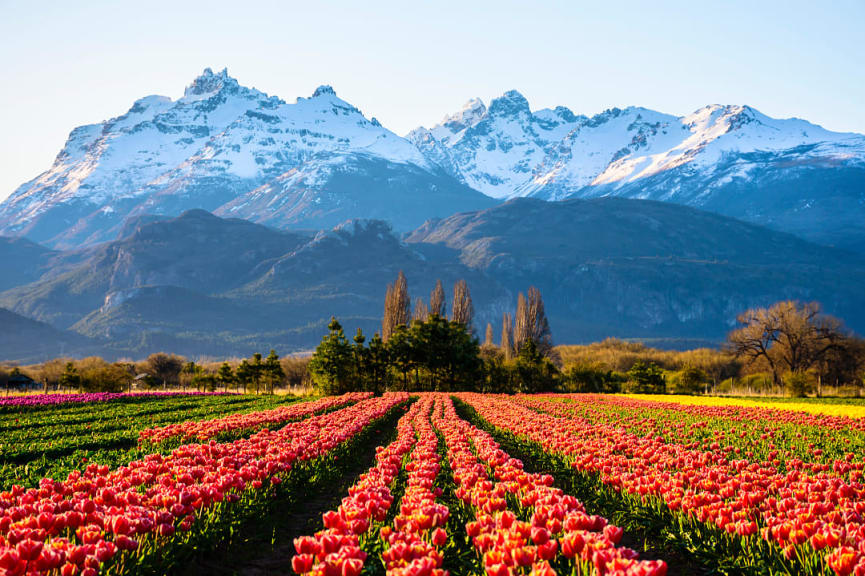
<point x="437" y="300"/>
<point x="507" y="341"/>
<point x="462" y="310"/>
<point x="539" y="326"/>
<point x="421" y="312"/>
<point x="397" y="307"/>
<point x="521" y="324"/>
<point x="531" y="324"/>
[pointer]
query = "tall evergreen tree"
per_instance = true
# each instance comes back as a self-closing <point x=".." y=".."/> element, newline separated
<point x="488" y="340"/>
<point x="331" y="364"/>
<point x="225" y="376"/>
<point x="402" y="353"/>
<point x="257" y="370"/>
<point x="361" y="357"/>
<point x="244" y="375"/>
<point x="378" y="364"/>
<point x="273" y="371"/>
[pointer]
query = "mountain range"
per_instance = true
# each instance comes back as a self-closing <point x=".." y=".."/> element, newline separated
<point x="229" y="221"/>
<point x="314" y="163"/>
<point x="199" y="284"/>
<point x="790" y="175"/>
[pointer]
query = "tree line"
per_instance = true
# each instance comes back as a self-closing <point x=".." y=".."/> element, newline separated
<point x="423" y="347"/>
<point x="163" y="371"/>
<point x="788" y="348"/>
<point x="425" y="344"/>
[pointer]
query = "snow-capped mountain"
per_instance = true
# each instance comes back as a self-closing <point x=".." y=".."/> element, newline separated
<point x="788" y="174"/>
<point x="220" y="147"/>
<point x="238" y="152"/>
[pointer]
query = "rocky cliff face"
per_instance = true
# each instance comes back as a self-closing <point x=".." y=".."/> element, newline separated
<point x="200" y="284"/>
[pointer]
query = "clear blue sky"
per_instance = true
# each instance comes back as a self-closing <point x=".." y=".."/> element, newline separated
<point x="407" y="63"/>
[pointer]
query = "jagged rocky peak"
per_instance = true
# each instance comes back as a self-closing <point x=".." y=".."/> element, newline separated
<point x="508" y="104"/>
<point x="209" y="83"/>
<point x="472" y="112"/>
<point x="324" y="90"/>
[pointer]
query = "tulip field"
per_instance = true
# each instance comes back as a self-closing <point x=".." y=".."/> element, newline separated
<point x="459" y="484"/>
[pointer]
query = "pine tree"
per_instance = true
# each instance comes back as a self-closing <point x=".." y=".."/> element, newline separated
<point x="378" y="361"/>
<point x="257" y="370"/>
<point x="437" y="300"/>
<point x="244" y="375"/>
<point x="225" y="376"/>
<point x="330" y="365"/>
<point x="360" y="354"/>
<point x="273" y="371"/>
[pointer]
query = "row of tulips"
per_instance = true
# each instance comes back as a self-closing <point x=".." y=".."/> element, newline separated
<point x="523" y="524"/>
<point x="337" y="550"/>
<point x="88" y="397"/>
<point x="817" y="521"/>
<point x="202" y="430"/>
<point x="40" y="443"/>
<point x="725" y="430"/>
<point x="415" y="539"/>
<point x="101" y="516"/>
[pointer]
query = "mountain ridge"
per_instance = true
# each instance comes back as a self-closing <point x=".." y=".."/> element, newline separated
<point x="789" y="174"/>
<point x="213" y="146"/>
<point x="607" y="266"/>
<point x="239" y="152"/>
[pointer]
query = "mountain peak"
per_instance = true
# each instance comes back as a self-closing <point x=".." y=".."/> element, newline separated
<point x="471" y="114"/>
<point x="509" y="103"/>
<point x="324" y="90"/>
<point x="209" y="82"/>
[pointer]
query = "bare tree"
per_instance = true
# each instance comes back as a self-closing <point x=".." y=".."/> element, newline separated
<point x="789" y="336"/>
<point x="165" y="368"/>
<point x="421" y="312"/>
<point x="397" y="306"/>
<point x="539" y="326"/>
<point x="437" y="300"/>
<point x="521" y="323"/>
<point x="531" y="323"/>
<point x="507" y="341"/>
<point x="488" y="340"/>
<point x="462" y="310"/>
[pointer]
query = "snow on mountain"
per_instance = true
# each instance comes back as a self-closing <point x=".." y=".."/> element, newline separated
<point x="238" y="152"/>
<point x="730" y="159"/>
<point x="510" y="151"/>
<point x="205" y="149"/>
<point x="494" y="149"/>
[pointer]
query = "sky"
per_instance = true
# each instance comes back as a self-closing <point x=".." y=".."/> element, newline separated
<point x="408" y="63"/>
